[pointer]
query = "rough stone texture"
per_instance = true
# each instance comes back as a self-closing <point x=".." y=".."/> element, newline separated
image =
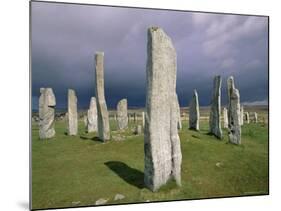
<point x="234" y="127"/>
<point x="215" y="114"/>
<point x="85" y="121"/>
<point x="255" y="117"/>
<point x="103" y="116"/>
<point x="138" y="130"/>
<point x="122" y="114"/>
<point x="179" y="114"/>
<point x="47" y="103"/>
<point x="72" y="113"/>
<point x="194" y="114"/>
<point x="135" y="117"/>
<point x="247" y="117"/>
<point x="118" y="196"/>
<point x="225" y="118"/>
<point x="143" y="119"/>
<point x="92" y="116"/>
<point x="161" y="141"/>
<point x="241" y="115"/>
<point x="101" y="201"/>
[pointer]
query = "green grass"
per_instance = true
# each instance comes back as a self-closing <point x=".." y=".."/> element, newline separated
<point x="76" y="171"/>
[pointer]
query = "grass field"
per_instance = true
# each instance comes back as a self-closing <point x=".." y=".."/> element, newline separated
<point x="77" y="171"/>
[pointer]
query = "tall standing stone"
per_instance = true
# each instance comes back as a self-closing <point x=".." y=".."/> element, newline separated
<point x="161" y="141"/>
<point x="72" y="113"/>
<point x="215" y="114"/>
<point x="247" y="117"/>
<point x="225" y="118"/>
<point x="234" y="116"/>
<point x="103" y="116"/>
<point x="122" y="114"/>
<point x="47" y="103"/>
<point x="194" y="113"/>
<point x="92" y="116"/>
<point x="241" y="115"/>
<point x="255" y="117"/>
<point x="143" y="119"/>
<point x="179" y="114"/>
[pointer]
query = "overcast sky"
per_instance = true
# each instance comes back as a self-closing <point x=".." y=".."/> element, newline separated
<point x="65" y="38"/>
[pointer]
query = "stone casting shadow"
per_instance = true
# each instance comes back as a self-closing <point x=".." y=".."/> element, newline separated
<point x="130" y="175"/>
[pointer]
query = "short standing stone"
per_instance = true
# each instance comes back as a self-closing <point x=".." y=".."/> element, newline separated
<point x="247" y="117"/>
<point x="225" y="118"/>
<point x="103" y="116"/>
<point x="138" y="130"/>
<point x="215" y="114"/>
<point x="161" y="140"/>
<point x="241" y="115"/>
<point x="47" y="103"/>
<point x="72" y="113"/>
<point x="122" y="114"/>
<point x="92" y="116"/>
<point x="194" y="114"/>
<point x="234" y="116"/>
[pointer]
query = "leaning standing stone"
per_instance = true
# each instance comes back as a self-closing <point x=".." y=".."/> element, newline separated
<point x="122" y="114"/>
<point x="47" y="103"/>
<point x="225" y="118"/>
<point x="215" y="114"/>
<point x="194" y="114"/>
<point x="92" y="116"/>
<point x="161" y="141"/>
<point x="234" y="116"/>
<point x="72" y="113"/>
<point x="103" y="116"/>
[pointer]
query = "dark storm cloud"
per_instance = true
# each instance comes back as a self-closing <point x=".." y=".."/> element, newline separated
<point x="65" y="38"/>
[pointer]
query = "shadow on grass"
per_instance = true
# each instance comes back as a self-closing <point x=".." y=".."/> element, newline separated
<point x="130" y="175"/>
<point x="91" y="138"/>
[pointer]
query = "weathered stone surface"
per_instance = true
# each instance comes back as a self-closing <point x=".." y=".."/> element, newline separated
<point x="47" y="103"/>
<point x="92" y="116"/>
<point x="135" y="117"/>
<point x="234" y="116"/>
<point x="215" y="114"/>
<point x="85" y="121"/>
<point x="194" y="113"/>
<point x="143" y="119"/>
<point x="72" y="113"/>
<point x="247" y="117"/>
<point x="241" y="115"/>
<point x="138" y="130"/>
<point x="161" y="141"/>
<point x="225" y="118"/>
<point x="118" y="196"/>
<point x="179" y="113"/>
<point x="103" y="116"/>
<point x="255" y="117"/>
<point x="101" y="201"/>
<point x="122" y="114"/>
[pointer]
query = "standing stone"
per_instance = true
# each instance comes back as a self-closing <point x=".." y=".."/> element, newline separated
<point x="247" y="117"/>
<point x="85" y="121"/>
<point x="72" y="113"/>
<point x="138" y="130"/>
<point x="47" y="103"/>
<point x="241" y="115"/>
<point x="115" y="117"/>
<point x="215" y="114"/>
<point x="161" y="140"/>
<point x="225" y="118"/>
<point x="92" y="116"/>
<point x="234" y="116"/>
<point x="103" y="116"/>
<point x="194" y="114"/>
<point x="143" y="119"/>
<point x="122" y="114"/>
<point x="255" y="117"/>
<point x="179" y="114"/>
<point x="135" y="117"/>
